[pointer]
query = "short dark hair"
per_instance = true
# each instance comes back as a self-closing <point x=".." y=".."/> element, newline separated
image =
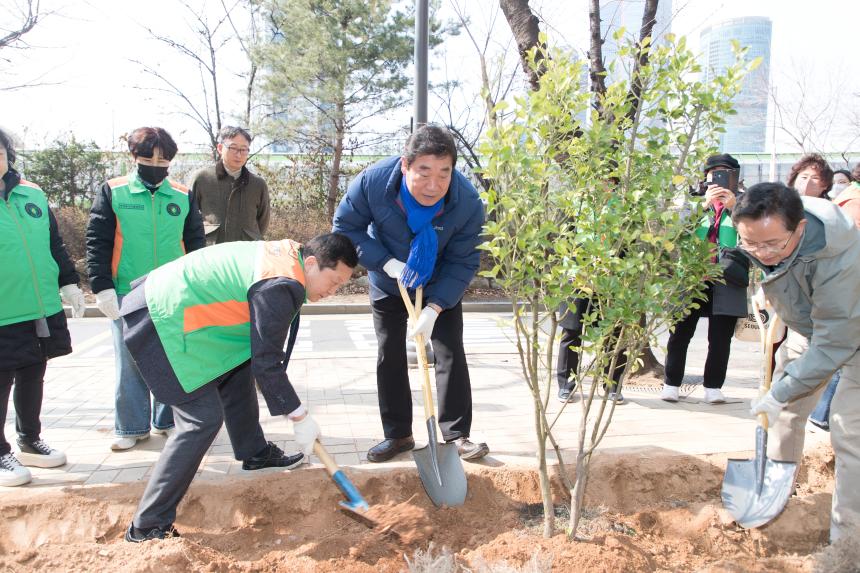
<point x="9" y="144"/>
<point x="844" y="172"/>
<point x="819" y="164"/>
<point x="231" y="131"/>
<point x="430" y="139"/>
<point x="143" y="141"/>
<point x="769" y="199"/>
<point x="330" y="249"/>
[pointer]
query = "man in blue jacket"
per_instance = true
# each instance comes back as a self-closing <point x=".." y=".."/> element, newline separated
<point x="417" y="219"/>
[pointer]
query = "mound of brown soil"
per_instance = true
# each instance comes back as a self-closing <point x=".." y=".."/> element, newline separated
<point x="644" y="513"/>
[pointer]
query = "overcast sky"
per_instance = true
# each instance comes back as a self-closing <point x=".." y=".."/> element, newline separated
<point x="82" y="54"/>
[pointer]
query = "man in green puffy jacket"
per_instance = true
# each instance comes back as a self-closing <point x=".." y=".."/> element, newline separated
<point x="809" y="251"/>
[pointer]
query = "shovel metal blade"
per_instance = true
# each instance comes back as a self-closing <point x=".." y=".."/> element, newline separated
<point x="749" y="508"/>
<point x="450" y="487"/>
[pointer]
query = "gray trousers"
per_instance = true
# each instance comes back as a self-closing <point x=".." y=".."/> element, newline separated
<point x="786" y="436"/>
<point x="231" y="398"/>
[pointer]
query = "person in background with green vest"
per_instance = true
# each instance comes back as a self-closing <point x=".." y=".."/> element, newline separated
<point x="200" y="328"/>
<point x="137" y="223"/>
<point x="37" y="271"/>
<point x="724" y="301"/>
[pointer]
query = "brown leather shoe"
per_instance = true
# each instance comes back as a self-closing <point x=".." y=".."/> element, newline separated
<point x="388" y="448"/>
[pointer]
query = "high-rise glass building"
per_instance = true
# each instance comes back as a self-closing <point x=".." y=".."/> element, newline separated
<point x="746" y="131"/>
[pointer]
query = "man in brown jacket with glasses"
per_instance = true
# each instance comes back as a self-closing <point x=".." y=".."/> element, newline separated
<point x="234" y="202"/>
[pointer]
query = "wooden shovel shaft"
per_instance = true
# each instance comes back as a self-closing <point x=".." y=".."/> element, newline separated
<point x="767" y="350"/>
<point x="325" y="458"/>
<point x="355" y="501"/>
<point x="412" y="310"/>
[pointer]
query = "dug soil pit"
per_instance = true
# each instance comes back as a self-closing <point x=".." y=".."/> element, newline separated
<point x="644" y="512"/>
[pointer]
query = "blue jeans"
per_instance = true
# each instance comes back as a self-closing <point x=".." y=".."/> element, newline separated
<point x="132" y="399"/>
<point x="821" y="414"/>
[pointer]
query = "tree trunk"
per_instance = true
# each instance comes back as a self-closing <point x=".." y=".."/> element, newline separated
<point x="577" y="494"/>
<point x="524" y="25"/>
<point x="334" y="176"/>
<point x="596" y="69"/>
<point x="648" y="19"/>
<point x="545" y="490"/>
<point x="249" y="94"/>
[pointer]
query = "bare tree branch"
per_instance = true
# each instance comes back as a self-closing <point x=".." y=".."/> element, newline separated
<point x="30" y="19"/>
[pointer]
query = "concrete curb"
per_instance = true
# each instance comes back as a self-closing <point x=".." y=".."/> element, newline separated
<point x="343" y="308"/>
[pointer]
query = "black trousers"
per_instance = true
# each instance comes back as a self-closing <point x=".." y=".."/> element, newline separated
<point x="453" y="387"/>
<point x="29" y="383"/>
<point x="720" y="331"/>
<point x="571" y="326"/>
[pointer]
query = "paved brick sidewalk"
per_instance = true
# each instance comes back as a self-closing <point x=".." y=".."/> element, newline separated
<point x="340" y="389"/>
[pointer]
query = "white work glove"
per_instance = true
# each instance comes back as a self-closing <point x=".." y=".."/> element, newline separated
<point x="424" y="325"/>
<point x="107" y="302"/>
<point x="394" y="268"/>
<point x="769" y="406"/>
<point x="306" y="432"/>
<point x="74" y="298"/>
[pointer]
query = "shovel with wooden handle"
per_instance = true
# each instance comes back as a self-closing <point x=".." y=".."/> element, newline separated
<point x="756" y="491"/>
<point x="439" y="465"/>
<point x="354" y="504"/>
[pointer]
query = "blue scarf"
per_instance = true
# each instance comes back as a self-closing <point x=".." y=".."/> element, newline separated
<point x="422" y="250"/>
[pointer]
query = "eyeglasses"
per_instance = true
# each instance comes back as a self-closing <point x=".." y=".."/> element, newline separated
<point x="768" y="247"/>
<point x="238" y="150"/>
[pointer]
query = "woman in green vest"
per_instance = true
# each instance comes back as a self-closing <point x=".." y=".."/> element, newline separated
<point x="724" y="301"/>
<point x="37" y="270"/>
<point x="137" y="223"/>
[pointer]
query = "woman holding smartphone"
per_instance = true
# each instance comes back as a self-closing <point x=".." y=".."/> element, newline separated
<point x="723" y="302"/>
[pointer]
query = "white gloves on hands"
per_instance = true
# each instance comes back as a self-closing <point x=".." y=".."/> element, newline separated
<point x="107" y="302"/>
<point x="424" y="325"/>
<point x="306" y="432"/>
<point x="769" y="406"/>
<point x="394" y="268"/>
<point x="75" y="298"/>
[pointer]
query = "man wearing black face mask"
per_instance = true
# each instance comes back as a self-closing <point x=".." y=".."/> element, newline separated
<point x="138" y="222"/>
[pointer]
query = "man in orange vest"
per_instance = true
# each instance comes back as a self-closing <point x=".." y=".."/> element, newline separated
<point x="199" y="327"/>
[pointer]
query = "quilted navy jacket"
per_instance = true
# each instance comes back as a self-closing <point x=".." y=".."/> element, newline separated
<point x="372" y="216"/>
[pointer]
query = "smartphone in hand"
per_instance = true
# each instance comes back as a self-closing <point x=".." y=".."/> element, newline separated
<point x="727" y="179"/>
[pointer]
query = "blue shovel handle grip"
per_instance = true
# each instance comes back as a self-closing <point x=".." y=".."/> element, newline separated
<point x="356" y="501"/>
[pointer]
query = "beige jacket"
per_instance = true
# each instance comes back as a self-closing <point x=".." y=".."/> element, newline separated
<point x="849" y="200"/>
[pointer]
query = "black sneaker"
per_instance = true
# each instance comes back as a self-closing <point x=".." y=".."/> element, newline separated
<point x="469" y="450"/>
<point x="137" y="535"/>
<point x="39" y="454"/>
<point x="272" y="457"/>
